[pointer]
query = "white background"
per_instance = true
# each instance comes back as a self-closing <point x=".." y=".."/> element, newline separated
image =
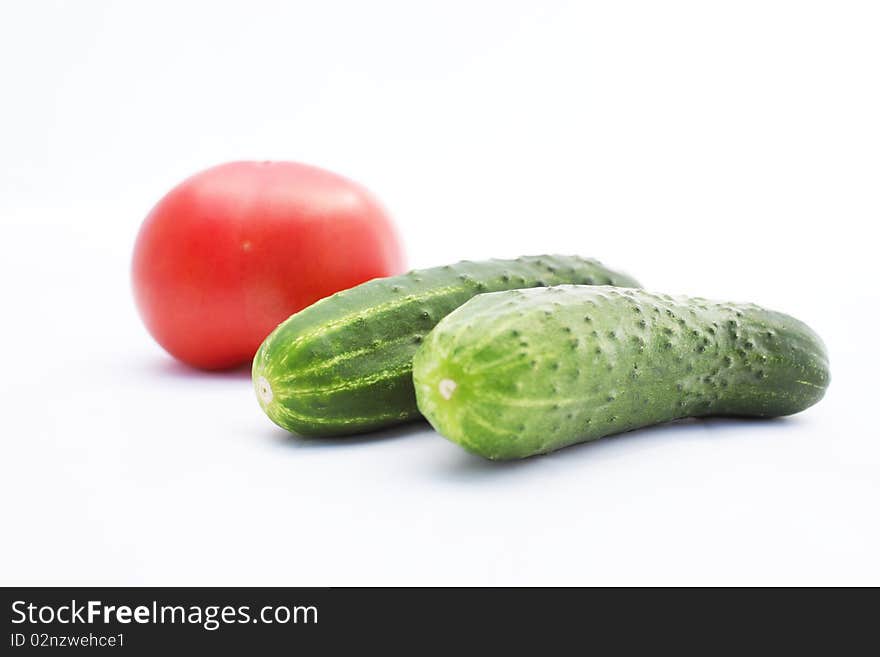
<point x="725" y="149"/>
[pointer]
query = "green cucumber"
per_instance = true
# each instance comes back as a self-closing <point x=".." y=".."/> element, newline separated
<point x="513" y="374"/>
<point x="344" y="364"/>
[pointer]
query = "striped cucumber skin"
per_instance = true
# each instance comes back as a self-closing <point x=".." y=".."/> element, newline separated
<point x="344" y="364"/>
<point x="513" y="374"/>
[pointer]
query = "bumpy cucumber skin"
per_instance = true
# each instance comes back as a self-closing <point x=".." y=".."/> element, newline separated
<point x="344" y="365"/>
<point x="514" y="374"/>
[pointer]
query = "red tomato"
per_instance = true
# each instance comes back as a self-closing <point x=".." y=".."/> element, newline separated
<point x="230" y="253"/>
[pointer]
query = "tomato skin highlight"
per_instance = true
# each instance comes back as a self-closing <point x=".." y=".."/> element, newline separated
<point x="233" y="251"/>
